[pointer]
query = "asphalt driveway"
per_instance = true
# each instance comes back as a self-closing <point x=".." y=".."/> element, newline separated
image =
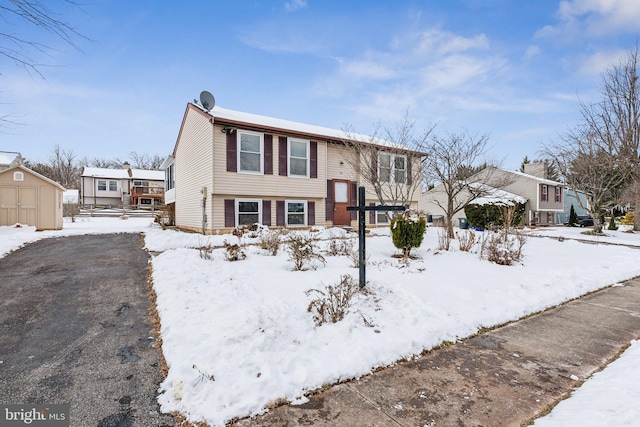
<point x="75" y="329"/>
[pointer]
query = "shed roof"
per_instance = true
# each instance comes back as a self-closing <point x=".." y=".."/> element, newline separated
<point x="34" y="173"/>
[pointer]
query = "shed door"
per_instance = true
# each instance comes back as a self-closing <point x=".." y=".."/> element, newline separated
<point x="8" y="205"/>
<point x="27" y="205"/>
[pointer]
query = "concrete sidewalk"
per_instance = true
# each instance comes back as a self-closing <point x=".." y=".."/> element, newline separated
<point x="505" y="377"/>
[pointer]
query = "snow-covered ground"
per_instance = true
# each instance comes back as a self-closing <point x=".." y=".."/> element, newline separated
<point x="237" y="335"/>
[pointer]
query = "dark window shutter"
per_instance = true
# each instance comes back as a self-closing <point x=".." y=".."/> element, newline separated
<point x="266" y="213"/>
<point x="311" y="214"/>
<point x="313" y="159"/>
<point x="409" y="170"/>
<point x="353" y="199"/>
<point x="282" y="156"/>
<point x="280" y="212"/>
<point x="329" y="201"/>
<point x="229" y="213"/>
<point x="372" y="215"/>
<point x="374" y="164"/>
<point x="268" y="154"/>
<point x="232" y="151"/>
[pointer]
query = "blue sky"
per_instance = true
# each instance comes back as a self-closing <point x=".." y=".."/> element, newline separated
<point x="510" y="68"/>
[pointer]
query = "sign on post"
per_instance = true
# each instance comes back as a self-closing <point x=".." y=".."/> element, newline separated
<point x="361" y="208"/>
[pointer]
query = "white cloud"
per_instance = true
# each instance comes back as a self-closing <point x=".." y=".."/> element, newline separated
<point x="365" y="69"/>
<point x="594" y="18"/>
<point x="294" y="5"/>
<point x="599" y="62"/>
<point x="443" y="42"/>
<point x="531" y="52"/>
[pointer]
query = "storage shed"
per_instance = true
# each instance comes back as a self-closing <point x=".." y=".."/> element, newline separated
<point x="28" y="198"/>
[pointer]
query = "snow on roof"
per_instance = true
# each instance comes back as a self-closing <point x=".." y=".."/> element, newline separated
<point x="6" y="158"/>
<point x="147" y="174"/>
<point x="123" y="173"/>
<point x="238" y="116"/>
<point x="537" y="178"/>
<point x="496" y="196"/>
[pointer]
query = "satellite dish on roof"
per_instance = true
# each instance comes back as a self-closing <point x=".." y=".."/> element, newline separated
<point x="207" y="100"/>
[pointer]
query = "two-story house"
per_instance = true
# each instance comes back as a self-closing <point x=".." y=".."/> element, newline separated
<point x="544" y="197"/>
<point x="126" y="187"/>
<point x="230" y="169"/>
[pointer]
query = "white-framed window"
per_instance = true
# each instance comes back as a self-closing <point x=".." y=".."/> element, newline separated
<point x="140" y="183"/>
<point x="298" y="157"/>
<point x="18" y="176"/>
<point x="169" y="181"/>
<point x="113" y="185"/>
<point x="544" y="196"/>
<point x="250" y="151"/>
<point x="558" y="194"/>
<point x="382" y="217"/>
<point x="392" y="168"/>
<point x="296" y="212"/>
<point x="102" y="185"/>
<point x="248" y="211"/>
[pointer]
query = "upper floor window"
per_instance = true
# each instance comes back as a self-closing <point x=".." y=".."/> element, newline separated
<point x="113" y="185"/>
<point x="558" y="194"/>
<point x="140" y="183"/>
<point x="102" y="185"/>
<point x="544" y="196"/>
<point x="392" y="168"/>
<point x="298" y="157"/>
<point x="250" y="152"/>
<point x="168" y="178"/>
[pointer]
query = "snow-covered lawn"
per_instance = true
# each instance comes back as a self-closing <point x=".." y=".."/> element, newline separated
<point x="237" y="335"/>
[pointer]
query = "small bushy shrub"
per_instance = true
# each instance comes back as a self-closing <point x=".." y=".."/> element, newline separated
<point x="303" y="250"/>
<point x="628" y="219"/>
<point x="612" y="224"/>
<point x="205" y="250"/>
<point x="444" y="241"/>
<point x="407" y="232"/>
<point x="339" y="247"/>
<point x="503" y="250"/>
<point x="270" y="241"/>
<point x="332" y="303"/>
<point x="466" y="240"/>
<point x="234" y="252"/>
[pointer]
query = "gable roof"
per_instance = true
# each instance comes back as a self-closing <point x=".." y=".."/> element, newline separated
<point x="34" y="173"/>
<point x="123" y="173"/>
<point x="495" y="196"/>
<point x="240" y="119"/>
<point x="533" y="177"/>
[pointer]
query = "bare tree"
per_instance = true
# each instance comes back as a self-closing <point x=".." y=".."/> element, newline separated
<point x="606" y="144"/>
<point x="388" y="161"/>
<point x="61" y="167"/>
<point x="593" y="167"/>
<point x="450" y="162"/>
<point x="145" y="161"/>
<point x="21" y="50"/>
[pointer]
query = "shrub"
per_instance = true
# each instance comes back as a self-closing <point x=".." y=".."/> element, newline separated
<point x="205" y="250"/>
<point x="628" y="219"/>
<point x="234" y="252"/>
<point x="503" y="250"/>
<point x="466" y="240"/>
<point x="340" y="247"/>
<point x="270" y="241"/>
<point x="492" y="216"/>
<point x="332" y="303"/>
<point x="303" y="250"/>
<point x="407" y="232"/>
<point x="444" y="241"/>
<point x="612" y="224"/>
<point x="573" y="217"/>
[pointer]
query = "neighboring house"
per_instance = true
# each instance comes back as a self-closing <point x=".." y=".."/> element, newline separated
<point x="232" y="169"/>
<point x="544" y="197"/>
<point x="571" y="199"/>
<point x="126" y="187"/>
<point x="9" y="159"/>
<point x="28" y="198"/>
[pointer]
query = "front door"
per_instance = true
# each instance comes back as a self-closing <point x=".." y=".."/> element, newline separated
<point x="341" y="216"/>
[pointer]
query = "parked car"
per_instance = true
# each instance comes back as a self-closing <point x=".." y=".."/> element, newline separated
<point x="583" y="221"/>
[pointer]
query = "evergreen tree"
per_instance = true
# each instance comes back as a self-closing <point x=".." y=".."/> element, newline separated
<point x="573" y="217"/>
<point x="612" y="223"/>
